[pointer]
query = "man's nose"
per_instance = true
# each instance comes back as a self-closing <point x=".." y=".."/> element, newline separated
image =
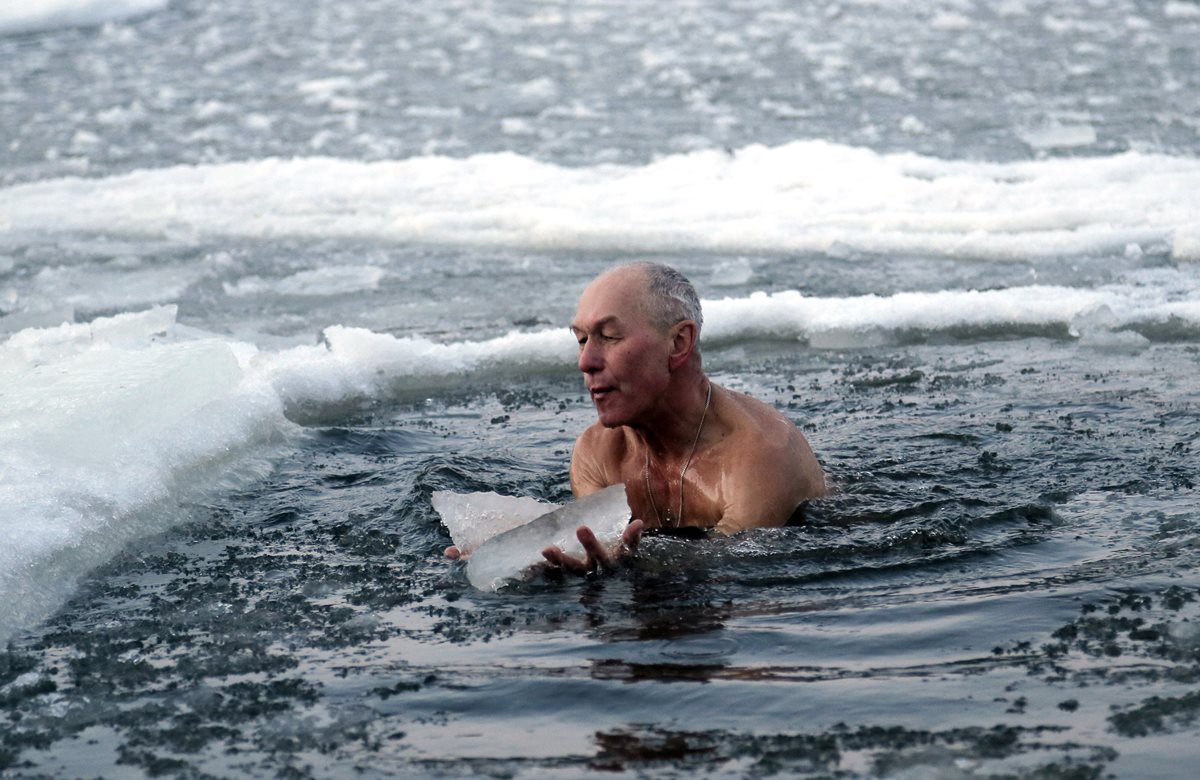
<point x="589" y="358"/>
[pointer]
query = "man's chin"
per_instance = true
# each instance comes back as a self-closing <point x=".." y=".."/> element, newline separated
<point x="609" y="421"/>
<point x="609" y="418"/>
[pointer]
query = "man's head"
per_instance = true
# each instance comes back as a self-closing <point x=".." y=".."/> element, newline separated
<point x="670" y="297"/>
<point x="637" y="326"/>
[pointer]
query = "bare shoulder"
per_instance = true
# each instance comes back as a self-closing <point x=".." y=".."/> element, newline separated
<point x="596" y="441"/>
<point x="777" y="467"/>
<point x="767" y="429"/>
<point x="596" y="459"/>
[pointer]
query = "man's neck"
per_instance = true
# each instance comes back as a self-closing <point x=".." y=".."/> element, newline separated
<point x="673" y="431"/>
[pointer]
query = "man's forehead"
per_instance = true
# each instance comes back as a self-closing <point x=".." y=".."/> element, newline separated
<point x="608" y="306"/>
<point x="583" y="325"/>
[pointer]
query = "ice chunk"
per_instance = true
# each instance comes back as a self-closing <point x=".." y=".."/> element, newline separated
<point x="732" y="273"/>
<point x="1174" y="9"/>
<point x="1056" y="136"/>
<point x="473" y="518"/>
<point x="506" y="555"/>
<point x="1185" y="245"/>
<point x="35" y="15"/>
<point x="330" y="280"/>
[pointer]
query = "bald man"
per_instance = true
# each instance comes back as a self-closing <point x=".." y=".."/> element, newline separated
<point x="692" y="455"/>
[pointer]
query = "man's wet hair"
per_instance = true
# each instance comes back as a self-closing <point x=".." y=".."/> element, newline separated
<point x="672" y="297"/>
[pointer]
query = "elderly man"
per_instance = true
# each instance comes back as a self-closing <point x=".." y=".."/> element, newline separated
<point x="692" y="455"/>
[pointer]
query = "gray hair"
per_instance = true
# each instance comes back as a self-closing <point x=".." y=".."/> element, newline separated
<point x="672" y="297"/>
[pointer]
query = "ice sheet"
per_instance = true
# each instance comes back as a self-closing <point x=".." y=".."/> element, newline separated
<point x="104" y="427"/>
<point x="804" y="196"/>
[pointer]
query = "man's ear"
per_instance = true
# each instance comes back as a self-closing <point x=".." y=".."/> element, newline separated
<point x="683" y="343"/>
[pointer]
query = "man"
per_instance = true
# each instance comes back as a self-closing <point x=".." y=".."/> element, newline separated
<point x="692" y="455"/>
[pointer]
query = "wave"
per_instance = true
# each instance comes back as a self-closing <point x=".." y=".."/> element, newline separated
<point x="805" y="196"/>
<point x="37" y="15"/>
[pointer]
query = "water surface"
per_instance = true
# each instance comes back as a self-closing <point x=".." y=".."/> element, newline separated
<point x="317" y="260"/>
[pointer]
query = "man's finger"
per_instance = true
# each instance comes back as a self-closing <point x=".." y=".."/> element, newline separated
<point x="558" y="558"/>
<point x="453" y="553"/>
<point x="596" y="553"/>
<point x="632" y="535"/>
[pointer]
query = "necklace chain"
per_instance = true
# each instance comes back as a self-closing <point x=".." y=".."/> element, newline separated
<point x="682" y="471"/>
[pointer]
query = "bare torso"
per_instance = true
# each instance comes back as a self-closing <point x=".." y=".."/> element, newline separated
<point x="751" y="468"/>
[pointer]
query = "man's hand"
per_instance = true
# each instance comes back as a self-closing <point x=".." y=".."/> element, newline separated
<point x="596" y="555"/>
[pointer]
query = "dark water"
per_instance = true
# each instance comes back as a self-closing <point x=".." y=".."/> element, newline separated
<point x="1003" y="585"/>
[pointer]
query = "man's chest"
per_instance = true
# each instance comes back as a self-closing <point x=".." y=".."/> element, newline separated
<point x="669" y="496"/>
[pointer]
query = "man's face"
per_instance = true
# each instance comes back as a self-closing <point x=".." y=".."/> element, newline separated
<point x="622" y="355"/>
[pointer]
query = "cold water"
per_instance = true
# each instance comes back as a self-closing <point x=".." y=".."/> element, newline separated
<point x="273" y="273"/>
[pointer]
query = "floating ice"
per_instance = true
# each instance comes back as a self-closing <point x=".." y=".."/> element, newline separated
<point x="22" y="16"/>
<point x="331" y="280"/>
<point x="104" y="428"/>
<point x="1186" y="246"/>
<point x="732" y="273"/>
<point x="806" y="196"/>
<point x="119" y="284"/>
<point x="1175" y="9"/>
<point x="1058" y="136"/>
<point x="825" y="321"/>
<point x="505" y="535"/>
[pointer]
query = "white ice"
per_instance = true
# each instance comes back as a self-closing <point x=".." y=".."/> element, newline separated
<point x="473" y="518"/>
<point x="806" y="196"/>
<point x="105" y="428"/>
<point x="505" y="536"/>
<point x="23" y="16"/>
<point x="790" y="314"/>
<point x="330" y="280"/>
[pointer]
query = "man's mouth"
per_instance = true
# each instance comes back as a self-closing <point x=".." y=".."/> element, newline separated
<point x="600" y="393"/>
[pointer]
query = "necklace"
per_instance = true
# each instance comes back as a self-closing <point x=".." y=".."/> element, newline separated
<point x="646" y="471"/>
